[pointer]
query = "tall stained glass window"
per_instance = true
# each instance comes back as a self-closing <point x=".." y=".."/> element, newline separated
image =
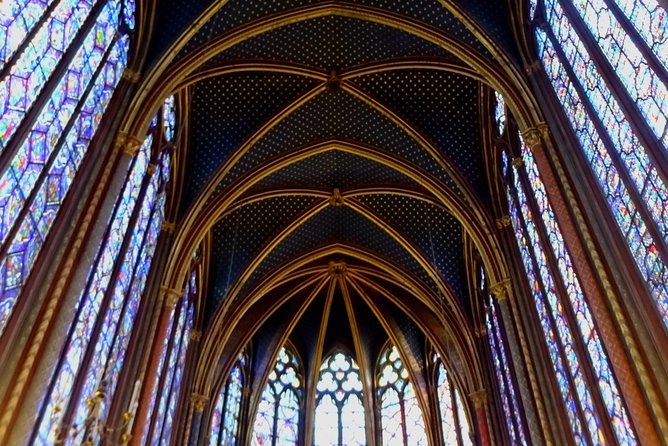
<point x="225" y="418"/>
<point x="339" y="412"/>
<point x="59" y="65"/>
<point x="503" y="377"/>
<point x="277" y="420"/>
<point x="454" y="422"/>
<point x="606" y="60"/>
<point x="167" y="388"/>
<point x="401" y="419"/>
<point x="588" y="387"/>
<point x="83" y="382"/>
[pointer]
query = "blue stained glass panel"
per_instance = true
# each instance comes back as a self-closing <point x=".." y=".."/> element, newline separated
<point x="228" y="435"/>
<point x="90" y="300"/>
<point x="630" y="221"/>
<point x="650" y="19"/>
<point x="169" y="118"/>
<point x="500" y="113"/>
<point x="17" y="19"/>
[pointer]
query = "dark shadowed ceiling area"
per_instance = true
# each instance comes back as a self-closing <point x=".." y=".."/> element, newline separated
<point x="336" y="133"/>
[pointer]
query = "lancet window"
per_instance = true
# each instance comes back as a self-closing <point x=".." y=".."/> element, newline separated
<point x="60" y="63"/>
<point x="401" y="418"/>
<point x="589" y="390"/>
<point x="454" y="421"/>
<point x="339" y="412"/>
<point x="606" y="61"/>
<point x="225" y="419"/>
<point x="277" y="420"/>
<point x="83" y="382"/>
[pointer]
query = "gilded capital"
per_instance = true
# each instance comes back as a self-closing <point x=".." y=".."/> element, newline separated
<point x="503" y="222"/>
<point x="501" y="290"/>
<point x="131" y="75"/>
<point x="171" y="296"/>
<point x="533" y="137"/>
<point x="128" y="144"/>
<point x="518" y="162"/>
<point x="478" y="398"/>
<point x="196" y="335"/>
<point x="168" y="226"/>
<point x="198" y="402"/>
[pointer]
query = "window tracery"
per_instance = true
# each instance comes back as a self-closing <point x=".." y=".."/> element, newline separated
<point x="401" y="418"/>
<point x="454" y="422"/>
<point x="277" y="420"/>
<point x="225" y="420"/>
<point x="339" y="413"/>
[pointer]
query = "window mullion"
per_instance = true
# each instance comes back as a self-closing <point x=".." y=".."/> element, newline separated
<point x="104" y="307"/>
<point x="622" y="167"/>
<point x="15" y="141"/>
<point x="53" y="156"/>
<point x="27" y="39"/>
<point x="644" y="133"/>
<point x="561" y="292"/>
<point x="634" y="35"/>
<point x="558" y="340"/>
<point x="177" y="352"/>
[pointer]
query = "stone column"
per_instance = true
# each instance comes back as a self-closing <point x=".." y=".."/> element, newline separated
<point x="479" y="400"/>
<point x="198" y="404"/>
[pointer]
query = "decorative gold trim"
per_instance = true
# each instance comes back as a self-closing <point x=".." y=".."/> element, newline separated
<point x="168" y="226"/>
<point x="336" y="199"/>
<point x="478" y="398"/>
<point x="131" y="76"/>
<point x="501" y="290"/>
<point x="128" y="144"/>
<point x="503" y="222"/>
<point x="171" y="296"/>
<point x="337" y="269"/>
<point x="198" y="402"/>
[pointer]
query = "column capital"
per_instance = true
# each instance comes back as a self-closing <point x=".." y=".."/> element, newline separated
<point x="196" y="335"/>
<point x="128" y="144"/>
<point x="198" y="402"/>
<point x="536" y="135"/>
<point x="171" y="296"/>
<point x="478" y="398"/>
<point x="501" y="290"/>
<point x="168" y="226"/>
<point x="503" y="222"/>
<point x="481" y="332"/>
<point x="131" y="75"/>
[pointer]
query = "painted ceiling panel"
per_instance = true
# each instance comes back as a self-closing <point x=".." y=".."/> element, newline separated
<point x="227" y="109"/>
<point x="239" y="12"/>
<point x="443" y="107"/>
<point x="319" y="42"/>
<point x="239" y="237"/>
<point x="339" y="224"/>
<point x="335" y="169"/>
<point x="336" y="114"/>
<point x="432" y="230"/>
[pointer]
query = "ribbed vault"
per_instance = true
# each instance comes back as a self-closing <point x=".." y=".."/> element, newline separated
<point x="339" y="170"/>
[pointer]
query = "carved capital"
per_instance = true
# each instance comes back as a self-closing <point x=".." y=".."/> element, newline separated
<point x="478" y="398"/>
<point x="501" y="290"/>
<point x="171" y="296"/>
<point x="196" y="335"/>
<point x="533" y="137"/>
<point x="337" y="268"/>
<point x="198" y="402"/>
<point x="128" y="144"/>
<point x="503" y="222"/>
<point x="518" y="162"/>
<point x="168" y="226"/>
<point x="481" y="332"/>
<point x="532" y="68"/>
<point x="131" y="76"/>
<point x="336" y="199"/>
<point x="150" y="169"/>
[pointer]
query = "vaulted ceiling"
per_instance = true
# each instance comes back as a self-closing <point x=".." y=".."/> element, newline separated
<point x="336" y="133"/>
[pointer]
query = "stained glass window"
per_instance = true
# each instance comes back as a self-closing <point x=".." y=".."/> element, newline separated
<point x="277" y="420"/>
<point x="500" y="113"/>
<point x="54" y="90"/>
<point x="506" y="387"/>
<point x="606" y="62"/>
<point x="225" y="419"/>
<point x="107" y="306"/>
<point x="567" y="323"/>
<point x="339" y="413"/>
<point x="401" y="420"/>
<point x="454" y="422"/>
